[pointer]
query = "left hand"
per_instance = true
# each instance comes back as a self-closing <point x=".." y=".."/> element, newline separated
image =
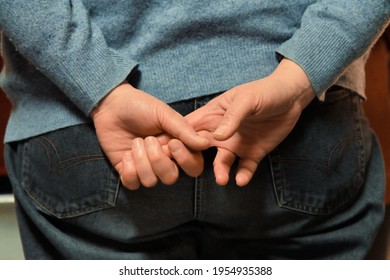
<point x="126" y="116"/>
<point x="158" y="158"/>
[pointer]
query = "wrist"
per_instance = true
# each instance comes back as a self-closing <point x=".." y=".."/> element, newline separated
<point x="294" y="81"/>
<point x="107" y="99"/>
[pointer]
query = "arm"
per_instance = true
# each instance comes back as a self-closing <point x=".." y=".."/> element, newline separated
<point x="332" y="35"/>
<point x="248" y="122"/>
<point x="59" y="39"/>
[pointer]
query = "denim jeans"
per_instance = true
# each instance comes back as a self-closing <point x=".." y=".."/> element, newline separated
<point x="318" y="195"/>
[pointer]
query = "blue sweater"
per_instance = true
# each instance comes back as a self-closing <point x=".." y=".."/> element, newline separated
<point x="62" y="57"/>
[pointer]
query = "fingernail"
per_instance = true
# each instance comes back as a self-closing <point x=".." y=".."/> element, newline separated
<point x="137" y="143"/>
<point x="174" y="147"/>
<point x="242" y="180"/>
<point x="149" y="142"/>
<point x="201" y="139"/>
<point x="221" y="130"/>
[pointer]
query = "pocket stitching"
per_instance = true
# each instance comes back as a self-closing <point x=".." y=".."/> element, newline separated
<point x="107" y="198"/>
<point x="342" y="199"/>
<point x="63" y="165"/>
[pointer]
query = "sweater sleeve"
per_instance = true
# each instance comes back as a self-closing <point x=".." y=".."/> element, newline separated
<point x="61" y="41"/>
<point x="332" y="34"/>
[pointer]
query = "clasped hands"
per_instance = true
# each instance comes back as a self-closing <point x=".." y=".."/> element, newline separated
<point x="147" y="141"/>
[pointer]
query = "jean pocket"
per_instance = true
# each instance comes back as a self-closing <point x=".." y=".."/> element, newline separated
<point x="66" y="173"/>
<point x="319" y="167"/>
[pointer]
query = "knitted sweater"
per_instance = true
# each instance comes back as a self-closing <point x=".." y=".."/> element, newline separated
<point x="62" y="57"/>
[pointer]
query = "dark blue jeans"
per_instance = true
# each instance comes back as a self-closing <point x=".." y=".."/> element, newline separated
<point x="318" y="195"/>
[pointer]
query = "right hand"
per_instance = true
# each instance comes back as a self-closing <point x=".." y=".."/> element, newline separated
<point x="250" y="120"/>
<point x="124" y="118"/>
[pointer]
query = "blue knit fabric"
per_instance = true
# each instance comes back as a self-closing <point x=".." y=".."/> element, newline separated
<point x="62" y="57"/>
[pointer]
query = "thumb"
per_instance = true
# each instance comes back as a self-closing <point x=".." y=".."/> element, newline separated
<point x="239" y="108"/>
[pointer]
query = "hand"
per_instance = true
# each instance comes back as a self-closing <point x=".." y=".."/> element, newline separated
<point x="126" y="114"/>
<point x="250" y="120"/>
<point x="150" y="160"/>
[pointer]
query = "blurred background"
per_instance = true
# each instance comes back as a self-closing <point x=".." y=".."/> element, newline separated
<point x="10" y="245"/>
<point x="377" y="108"/>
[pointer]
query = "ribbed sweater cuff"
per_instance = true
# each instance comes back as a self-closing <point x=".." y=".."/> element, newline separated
<point x="331" y="37"/>
<point x="87" y="79"/>
<point x="320" y="55"/>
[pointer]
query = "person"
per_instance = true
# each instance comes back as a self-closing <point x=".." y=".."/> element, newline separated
<point x="128" y="117"/>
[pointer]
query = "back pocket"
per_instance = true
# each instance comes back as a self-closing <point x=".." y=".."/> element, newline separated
<point x="66" y="173"/>
<point x="319" y="168"/>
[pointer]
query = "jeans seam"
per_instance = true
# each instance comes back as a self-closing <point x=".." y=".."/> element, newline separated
<point x="198" y="183"/>
<point x="197" y="198"/>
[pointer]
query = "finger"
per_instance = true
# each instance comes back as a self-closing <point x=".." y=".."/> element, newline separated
<point x="222" y="164"/>
<point x="239" y="109"/>
<point x="129" y="175"/>
<point x="164" y="168"/>
<point x="175" y="124"/>
<point x="167" y="152"/>
<point x="163" y="139"/>
<point x="197" y="118"/>
<point x="144" y="169"/>
<point x="245" y="171"/>
<point x="191" y="162"/>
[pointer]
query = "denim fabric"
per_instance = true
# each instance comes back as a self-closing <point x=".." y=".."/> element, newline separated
<point x="318" y="195"/>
